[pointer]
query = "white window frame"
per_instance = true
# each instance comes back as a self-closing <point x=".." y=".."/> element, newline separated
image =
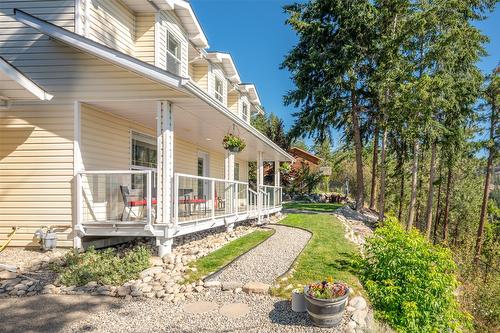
<point x="178" y="59"/>
<point x="219" y="95"/>
<point x="245" y="115"/>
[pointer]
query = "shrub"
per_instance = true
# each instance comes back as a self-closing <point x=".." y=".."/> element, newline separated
<point x="411" y="283"/>
<point x="104" y="267"/>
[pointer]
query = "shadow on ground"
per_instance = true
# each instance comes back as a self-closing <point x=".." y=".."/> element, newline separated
<point x="50" y="313"/>
<point x="282" y="314"/>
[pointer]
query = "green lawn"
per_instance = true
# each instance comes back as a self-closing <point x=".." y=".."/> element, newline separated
<point x="317" y="207"/>
<point x="327" y="254"/>
<point x="221" y="257"/>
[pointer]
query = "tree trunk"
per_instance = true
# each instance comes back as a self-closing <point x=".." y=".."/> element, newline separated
<point x="447" y="205"/>
<point x="438" y="206"/>
<point x="381" y="196"/>
<point x="430" y="194"/>
<point x="414" y="178"/>
<point x="401" y="190"/>
<point x="486" y="190"/>
<point x="358" y="147"/>
<point x="374" y="167"/>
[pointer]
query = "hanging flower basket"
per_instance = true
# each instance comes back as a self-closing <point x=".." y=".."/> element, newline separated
<point x="233" y="143"/>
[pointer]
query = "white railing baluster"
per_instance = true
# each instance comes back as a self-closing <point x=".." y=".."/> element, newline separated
<point x="212" y="202"/>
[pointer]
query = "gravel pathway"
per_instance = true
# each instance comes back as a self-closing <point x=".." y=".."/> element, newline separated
<point x="268" y="260"/>
<point x="104" y="314"/>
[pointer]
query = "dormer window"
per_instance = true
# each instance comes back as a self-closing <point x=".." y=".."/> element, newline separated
<point x="173" y="54"/>
<point x="244" y="112"/>
<point x="219" y="90"/>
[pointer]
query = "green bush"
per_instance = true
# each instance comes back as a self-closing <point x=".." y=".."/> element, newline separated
<point x="104" y="267"/>
<point x="411" y="283"/>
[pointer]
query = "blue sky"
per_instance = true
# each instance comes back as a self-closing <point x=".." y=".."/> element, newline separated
<point x="255" y="34"/>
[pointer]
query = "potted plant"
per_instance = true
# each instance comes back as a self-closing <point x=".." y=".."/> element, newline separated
<point x="233" y="143"/>
<point x="325" y="302"/>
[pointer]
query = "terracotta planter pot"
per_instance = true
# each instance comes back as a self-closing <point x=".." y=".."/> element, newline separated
<point x="325" y="312"/>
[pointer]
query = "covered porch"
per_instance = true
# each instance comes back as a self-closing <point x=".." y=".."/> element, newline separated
<point x="177" y="178"/>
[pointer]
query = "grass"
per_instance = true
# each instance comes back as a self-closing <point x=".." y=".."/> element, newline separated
<point x="327" y="253"/>
<point x="316" y="207"/>
<point x="223" y="256"/>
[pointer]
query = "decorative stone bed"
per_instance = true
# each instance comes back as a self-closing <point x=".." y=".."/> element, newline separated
<point x="162" y="280"/>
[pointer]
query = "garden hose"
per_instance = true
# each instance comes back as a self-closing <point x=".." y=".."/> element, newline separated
<point x="11" y="236"/>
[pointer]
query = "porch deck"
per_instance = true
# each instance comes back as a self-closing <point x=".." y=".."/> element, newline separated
<point x="124" y="203"/>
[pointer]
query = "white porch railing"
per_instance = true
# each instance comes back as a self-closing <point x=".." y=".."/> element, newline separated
<point x="199" y="198"/>
<point x="115" y="197"/>
<point x="272" y="196"/>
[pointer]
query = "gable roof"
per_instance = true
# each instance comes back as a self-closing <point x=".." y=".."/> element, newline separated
<point x="298" y="152"/>
<point x="14" y="85"/>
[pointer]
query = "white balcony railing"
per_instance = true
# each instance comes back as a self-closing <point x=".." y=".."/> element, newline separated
<point x="115" y="197"/>
<point x="199" y="198"/>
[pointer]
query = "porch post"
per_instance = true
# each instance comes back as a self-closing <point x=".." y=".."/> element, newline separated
<point x="78" y="230"/>
<point x="165" y="165"/>
<point x="277" y="192"/>
<point x="260" y="182"/>
<point x="229" y="175"/>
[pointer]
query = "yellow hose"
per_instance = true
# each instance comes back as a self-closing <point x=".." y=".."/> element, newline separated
<point x="2" y="247"/>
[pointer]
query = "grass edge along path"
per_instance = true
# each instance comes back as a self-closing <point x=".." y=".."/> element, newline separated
<point x="328" y="253"/>
<point x="308" y="206"/>
<point x="218" y="259"/>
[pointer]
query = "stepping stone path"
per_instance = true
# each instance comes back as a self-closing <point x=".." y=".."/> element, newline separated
<point x="234" y="310"/>
<point x="259" y="267"/>
<point x="200" y="307"/>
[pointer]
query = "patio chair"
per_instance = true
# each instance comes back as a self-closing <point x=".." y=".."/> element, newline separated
<point x="130" y="201"/>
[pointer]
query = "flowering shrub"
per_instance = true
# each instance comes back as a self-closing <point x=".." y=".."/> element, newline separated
<point x="233" y="142"/>
<point x="411" y="283"/>
<point x="327" y="289"/>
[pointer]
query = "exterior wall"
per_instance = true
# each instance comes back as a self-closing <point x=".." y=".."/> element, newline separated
<point x="145" y="38"/>
<point x="166" y="21"/>
<point x="200" y="76"/>
<point x="110" y="23"/>
<point x="36" y="171"/>
<point x="233" y="102"/>
<point x="105" y="139"/>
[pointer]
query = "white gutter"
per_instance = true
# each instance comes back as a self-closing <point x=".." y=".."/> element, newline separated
<point x="106" y="53"/>
<point x="15" y="75"/>
<point x="193" y="88"/>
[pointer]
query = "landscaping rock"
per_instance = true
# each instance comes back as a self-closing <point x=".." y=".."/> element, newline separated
<point x="358" y="303"/>
<point x="6" y="275"/>
<point x="212" y="284"/>
<point x="123" y="291"/>
<point x="256" y="288"/>
<point x="150" y="272"/>
<point x="156" y="261"/>
<point x="231" y="285"/>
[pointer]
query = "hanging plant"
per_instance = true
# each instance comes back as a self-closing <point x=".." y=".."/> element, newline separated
<point x="233" y="143"/>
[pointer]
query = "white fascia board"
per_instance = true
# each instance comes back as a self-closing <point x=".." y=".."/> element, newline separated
<point x="196" y="35"/>
<point x="101" y="51"/>
<point x="252" y="92"/>
<point x="227" y="62"/>
<point x="193" y="88"/>
<point x="18" y="77"/>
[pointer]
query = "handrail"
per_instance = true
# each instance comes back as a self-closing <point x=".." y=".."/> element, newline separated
<point x="112" y="172"/>
<point x="210" y="178"/>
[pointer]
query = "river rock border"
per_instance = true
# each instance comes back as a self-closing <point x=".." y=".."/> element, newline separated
<point x="162" y="280"/>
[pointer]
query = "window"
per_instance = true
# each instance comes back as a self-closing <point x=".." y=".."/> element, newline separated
<point x="143" y="151"/>
<point x="244" y="112"/>
<point x="236" y="171"/>
<point x="219" y="89"/>
<point x="173" y="54"/>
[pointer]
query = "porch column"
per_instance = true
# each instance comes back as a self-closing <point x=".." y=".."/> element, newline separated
<point x="277" y="173"/>
<point x="260" y="182"/>
<point x="229" y="175"/>
<point x="165" y="165"/>
<point x="78" y="230"/>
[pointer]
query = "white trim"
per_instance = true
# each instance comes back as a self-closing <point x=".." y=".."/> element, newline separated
<point x="23" y="81"/>
<point x="101" y="51"/>
<point x="78" y="167"/>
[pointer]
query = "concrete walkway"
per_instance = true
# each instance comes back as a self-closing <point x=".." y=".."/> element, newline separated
<point x="268" y="260"/>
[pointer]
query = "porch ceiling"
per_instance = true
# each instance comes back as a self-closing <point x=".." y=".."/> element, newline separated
<point x="195" y="122"/>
